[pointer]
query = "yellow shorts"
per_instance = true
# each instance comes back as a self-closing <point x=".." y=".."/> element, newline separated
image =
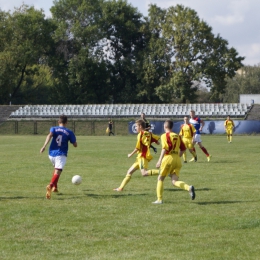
<point x="188" y="142"/>
<point x="140" y="163"/>
<point x="229" y="131"/>
<point x="171" y="164"/>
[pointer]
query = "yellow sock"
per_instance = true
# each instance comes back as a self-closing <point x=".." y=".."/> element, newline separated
<point x="230" y="138"/>
<point x="159" y="189"/>
<point x="182" y="185"/>
<point x="152" y="172"/>
<point x="125" y="181"/>
<point x="184" y="157"/>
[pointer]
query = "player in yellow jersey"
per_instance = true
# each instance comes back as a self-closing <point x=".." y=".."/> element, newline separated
<point x="142" y="148"/>
<point x="170" y="162"/>
<point x="188" y="132"/>
<point x="229" y="125"/>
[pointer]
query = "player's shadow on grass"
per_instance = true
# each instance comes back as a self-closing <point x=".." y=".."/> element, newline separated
<point x="14" y="198"/>
<point x="176" y="189"/>
<point x="68" y="196"/>
<point x="118" y="195"/>
<point x="219" y="202"/>
<point x="225" y="161"/>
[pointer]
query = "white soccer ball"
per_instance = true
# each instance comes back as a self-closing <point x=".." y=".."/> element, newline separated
<point x="76" y="179"/>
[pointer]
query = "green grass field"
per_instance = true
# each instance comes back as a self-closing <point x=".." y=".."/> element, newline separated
<point x="91" y="221"/>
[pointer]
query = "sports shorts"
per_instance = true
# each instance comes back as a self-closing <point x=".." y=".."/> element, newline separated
<point x="197" y="138"/>
<point x="58" y="161"/>
<point x="140" y="163"/>
<point x="171" y="164"/>
<point x="188" y="142"/>
<point x="229" y="131"/>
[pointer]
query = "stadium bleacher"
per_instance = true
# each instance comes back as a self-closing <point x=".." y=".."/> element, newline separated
<point x="132" y="110"/>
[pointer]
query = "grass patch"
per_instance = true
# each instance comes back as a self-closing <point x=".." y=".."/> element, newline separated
<point x="90" y="221"/>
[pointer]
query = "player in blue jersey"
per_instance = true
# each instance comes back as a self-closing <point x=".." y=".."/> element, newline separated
<point x="198" y="124"/>
<point x="58" y="151"/>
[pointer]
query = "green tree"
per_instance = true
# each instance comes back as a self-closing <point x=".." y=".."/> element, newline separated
<point x="80" y="73"/>
<point x="101" y="37"/>
<point x="196" y="55"/>
<point x="246" y="81"/>
<point x="25" y="41"/>
<point x="154" y="60"/>
<point x="123" y="43"/>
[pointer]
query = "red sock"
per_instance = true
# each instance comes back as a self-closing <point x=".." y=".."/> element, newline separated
<point x="205" y="151"/>
<point x="54" y="180"/>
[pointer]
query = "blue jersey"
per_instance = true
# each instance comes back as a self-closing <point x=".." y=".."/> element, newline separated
<point x="60" y="139"/>
<point x="196" y="121"/>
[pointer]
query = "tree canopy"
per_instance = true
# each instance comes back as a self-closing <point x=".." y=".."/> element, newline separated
<point x="97" y="51"/>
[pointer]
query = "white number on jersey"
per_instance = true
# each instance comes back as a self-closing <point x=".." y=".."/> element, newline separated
<point x="59" y="140"/>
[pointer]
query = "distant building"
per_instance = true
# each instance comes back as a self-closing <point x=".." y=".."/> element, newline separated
<point x="249" y="98"/>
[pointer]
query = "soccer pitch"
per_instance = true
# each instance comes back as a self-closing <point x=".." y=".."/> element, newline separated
<point x="91" y="221"/>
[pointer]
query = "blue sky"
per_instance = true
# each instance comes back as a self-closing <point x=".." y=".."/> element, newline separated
<point x="237" y="21"/>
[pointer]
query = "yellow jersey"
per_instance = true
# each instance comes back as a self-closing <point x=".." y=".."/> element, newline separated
<point x="229" y="124"/>
<point x="187" y="130"/>
<point x="172" y="143"/>
<point x="144" y="140"/>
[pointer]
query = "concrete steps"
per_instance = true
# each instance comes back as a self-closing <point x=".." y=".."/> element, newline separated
<point x="254" y="113"/>
<point x="6" y="110"/>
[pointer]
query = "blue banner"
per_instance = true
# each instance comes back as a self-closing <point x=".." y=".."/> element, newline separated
<point x="210" y="127"/>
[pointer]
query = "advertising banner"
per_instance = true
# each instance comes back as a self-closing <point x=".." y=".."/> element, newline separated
<point x="211" y="127"/>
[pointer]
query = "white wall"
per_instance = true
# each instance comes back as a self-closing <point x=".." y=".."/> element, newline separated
<point x="250" y="98"/>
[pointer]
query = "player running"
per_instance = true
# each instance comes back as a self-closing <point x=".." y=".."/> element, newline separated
<point x="58" y="151"/>
<point x="142" y="148"/>
<point x="198" y="123"/>
<point x="170" y="162"/>
<point x="188" y="133"/>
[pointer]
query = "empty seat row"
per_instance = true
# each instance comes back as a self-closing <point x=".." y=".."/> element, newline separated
<point x="128" y="110"/>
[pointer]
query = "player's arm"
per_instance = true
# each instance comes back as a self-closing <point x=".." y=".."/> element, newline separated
<point x="181" y="131"/>
<point x="134" y="151"/>
<point x="193" y="133"/>
<point x="158" y="164"/>
<point x="73" y="140"/>
<point x="148" y="127"/>
<point x="155" y="139"/>
<point x="48" y="138"/>
<point x="202" y="123"/>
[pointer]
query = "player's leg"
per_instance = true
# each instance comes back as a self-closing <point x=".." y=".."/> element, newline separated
<point x="144" y="168"/>
<point x="184" y="155"/>
<point x="164" y="170"/>
<point x="191" y="148"/>
<point x="230" y="135"/>
<point x="128" y="176"/>
<point x="204" y="151"/>
<point x="59" y="163"/>
<point x="159" y="190"/>
<point x="181" y="184"/>
<point x="151" y="172"/>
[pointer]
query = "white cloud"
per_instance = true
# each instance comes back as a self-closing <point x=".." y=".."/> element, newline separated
<point x="252" y="53"/>
<point x="229" y="19"/>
